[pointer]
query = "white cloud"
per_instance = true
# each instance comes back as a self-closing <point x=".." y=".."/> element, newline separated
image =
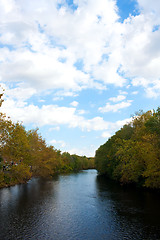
<point x="84" y="151"/>
<point x="42" y="71"/>
<point x="118" y="98"/>
<point x="74" y="103"/>
<point x="147" y="7"/>
<point x="141" y="50"/>
<point x="123" y="92"/>
<point x="118" y="124"/>
<point x="57" y="128"/>
<point x="106" y="135"/>
<point x="115" y="107"/>
<point x="107" y="73"/>
<point x="32" y="114"/>
<point x="154" y="91"/>
<point x="59" y="143"/>
<point x="47" y="42"/>
<point x="59" y="95"/>
<point x="54" y="115"/>
<point x="20" y="93"/>
<point x="81" y="112"/>
<point x="60" y="52"/>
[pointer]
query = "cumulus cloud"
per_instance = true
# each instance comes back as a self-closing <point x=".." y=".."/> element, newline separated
<point x="59" y="95"/>
<point x="134" y="92"/>
<point x="118" y="98"/>
<point x="140" y="54"/>
<point x="32" y="114"/>
<point x="146" y="6"/>
<point x="59" y="143"/>
<point x="74" y="103"/>
<point x="85" y="151"/>
<point x="106" y="135"/>
<point x="43" y="42"/>
<point x="51" y="47"/>
<point x="57" y="128"/>
<point x="56" y="116"/>
<point x="42" y="71"/>
<point x="121" y="92"/>
<point x="20" y="93"/>
<point x="115" y="107"/>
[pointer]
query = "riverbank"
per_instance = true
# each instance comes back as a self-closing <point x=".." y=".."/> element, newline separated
<point x="132" y="154"/>
<point x="9" y="181"/>
<point x="128" y="186"/>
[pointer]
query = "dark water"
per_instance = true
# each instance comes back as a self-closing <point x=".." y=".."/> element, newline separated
<point x="78" y="207"/>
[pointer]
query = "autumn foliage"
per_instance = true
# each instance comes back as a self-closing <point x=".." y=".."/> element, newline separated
<point x="132" y="155"/>
<point x="24" y="154"/>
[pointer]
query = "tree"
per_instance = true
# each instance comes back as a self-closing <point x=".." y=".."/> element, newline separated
<point x="16" y="147"/>
<point x="132" y="155"/>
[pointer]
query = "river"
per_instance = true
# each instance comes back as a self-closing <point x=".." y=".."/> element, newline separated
<point x="78" y="206"/>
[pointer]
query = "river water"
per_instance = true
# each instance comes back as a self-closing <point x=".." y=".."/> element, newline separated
<point x="78" y="206"/>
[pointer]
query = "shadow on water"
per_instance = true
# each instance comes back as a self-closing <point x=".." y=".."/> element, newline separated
<point x="135" y="211"/>
<point x="78" y="206"/>
<point x="21" y="207"/>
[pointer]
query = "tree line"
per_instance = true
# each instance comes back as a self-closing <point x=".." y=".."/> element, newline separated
<point x="132" y="154"/>
<point x="24" y="154"/>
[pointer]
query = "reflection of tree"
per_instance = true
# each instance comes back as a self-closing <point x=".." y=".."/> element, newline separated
<point x="134" y="212"/>
<point x="24" y="207"/>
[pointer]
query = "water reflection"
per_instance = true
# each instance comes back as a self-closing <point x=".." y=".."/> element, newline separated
<point x="77" y="207"/>
<point x="135" y="212"/>
<point x="22" y="206"/>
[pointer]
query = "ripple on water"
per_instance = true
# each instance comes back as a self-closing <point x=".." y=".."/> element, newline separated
<point x="78" y="207"/>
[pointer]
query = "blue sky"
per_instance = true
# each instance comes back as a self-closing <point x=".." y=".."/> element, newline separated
<point x="78" y="70"/>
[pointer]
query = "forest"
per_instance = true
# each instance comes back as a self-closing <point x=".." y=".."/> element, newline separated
<point x="25" y="154"/>
<point x="132" y="154"/>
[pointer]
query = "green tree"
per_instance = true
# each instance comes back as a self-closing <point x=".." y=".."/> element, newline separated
<point x="16" y="147"/>
<point x="132" y="155"/>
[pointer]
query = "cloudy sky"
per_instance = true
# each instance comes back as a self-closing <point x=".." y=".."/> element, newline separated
<point x="78" y="69"/>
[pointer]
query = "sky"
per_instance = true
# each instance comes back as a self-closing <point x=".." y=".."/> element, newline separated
<point x="79" y="69"/>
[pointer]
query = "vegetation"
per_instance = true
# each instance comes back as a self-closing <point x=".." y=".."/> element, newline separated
<point x="132" y="155"/>
<point x="24" y="154"/>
